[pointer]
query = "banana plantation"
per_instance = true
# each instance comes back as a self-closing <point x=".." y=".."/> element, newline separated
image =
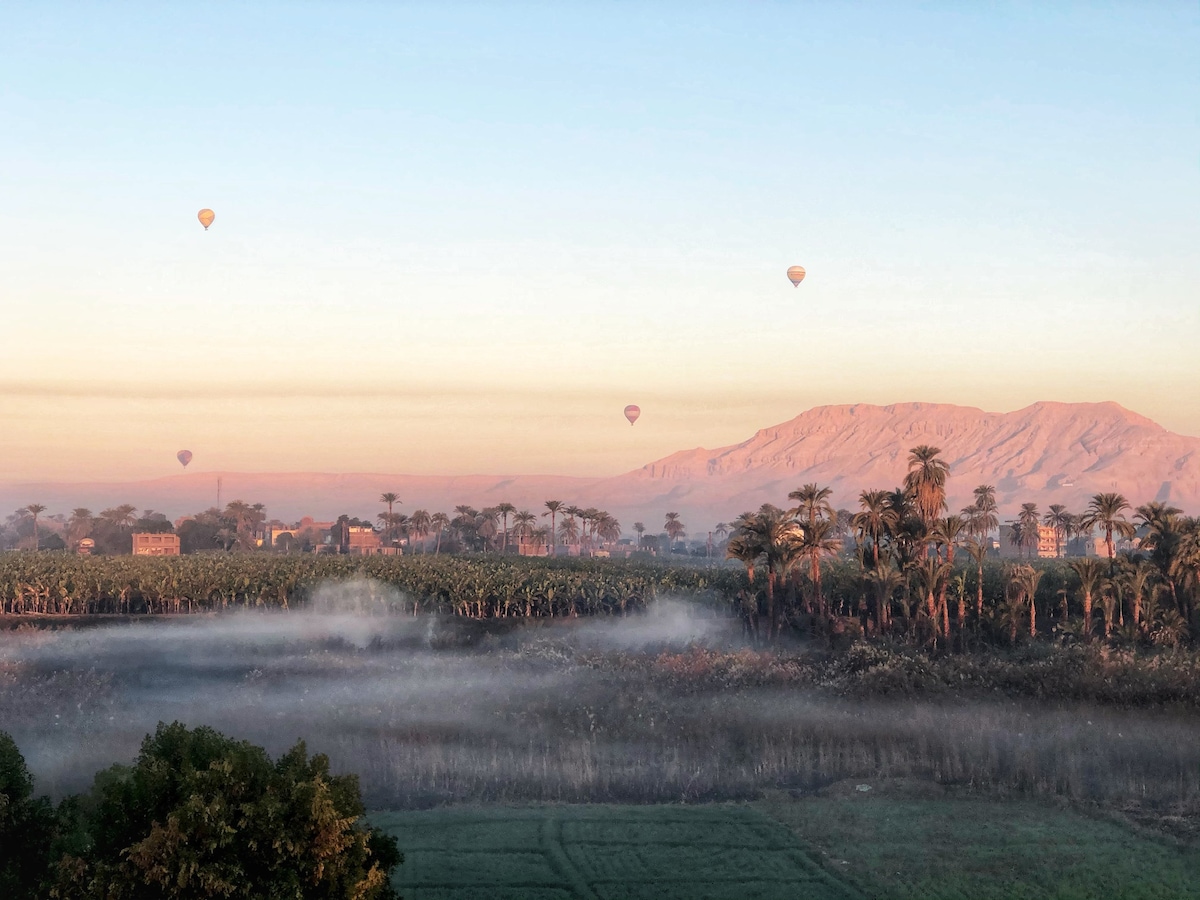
<point x="472" y="586"/>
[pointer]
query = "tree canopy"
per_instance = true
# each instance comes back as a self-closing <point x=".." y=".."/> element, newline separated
<point x="199" y="815"/>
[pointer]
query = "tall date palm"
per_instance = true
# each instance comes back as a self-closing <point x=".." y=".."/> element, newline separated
<point x="1090" y="572"/>
<point x="1028" y="520"/>
<point x="926" y="480"/>
<point x="1107" y="512"/>
<point x="875" y="518"/>
<point x="505" y="510"/>
<point x="552" y="510"/>
<point x="33" y="510"/>
<point x="1061" y="521"/>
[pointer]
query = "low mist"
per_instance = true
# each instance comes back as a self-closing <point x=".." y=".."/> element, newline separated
<point x="430" y="710"/>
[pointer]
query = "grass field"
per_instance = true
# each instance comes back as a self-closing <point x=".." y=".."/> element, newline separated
<point x="921" y="848"/>
<point x="859" y="845"/>
<point x="714" y="852"/>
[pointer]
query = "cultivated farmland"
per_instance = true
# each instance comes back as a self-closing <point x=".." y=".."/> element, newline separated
<point x="714" y="852"/>
<point x="887" y="840"/>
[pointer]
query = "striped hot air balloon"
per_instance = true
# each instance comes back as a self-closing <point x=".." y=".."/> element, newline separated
<point x="632" y="412"/>
<point x="796" y="275"/>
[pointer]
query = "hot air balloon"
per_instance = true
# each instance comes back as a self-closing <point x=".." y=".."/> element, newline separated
<point x="796" y="275"/>
<point x="631" y="413"/>
<point x="184" y="457"/>
<point x="206" y="217"/>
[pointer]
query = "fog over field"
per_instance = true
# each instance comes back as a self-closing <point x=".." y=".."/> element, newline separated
<point x="576" y="710"/>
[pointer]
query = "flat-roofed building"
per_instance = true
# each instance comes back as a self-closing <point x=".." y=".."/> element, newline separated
<point x="359" y="540"/>
<point x="1045" y="544"/>
<point x="158" y="544"/>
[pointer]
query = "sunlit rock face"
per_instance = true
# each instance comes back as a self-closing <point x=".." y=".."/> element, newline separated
<point x="1046" y="453"/>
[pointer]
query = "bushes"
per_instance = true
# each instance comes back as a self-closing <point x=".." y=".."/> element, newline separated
<point x="1094" y="673"/>
<point x="199" y="815"/>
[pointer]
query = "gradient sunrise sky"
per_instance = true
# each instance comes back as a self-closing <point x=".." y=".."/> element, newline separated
<point x="458" y="237"/>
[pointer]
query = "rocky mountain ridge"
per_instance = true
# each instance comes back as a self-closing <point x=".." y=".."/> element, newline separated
<point x="1046" y="453"/>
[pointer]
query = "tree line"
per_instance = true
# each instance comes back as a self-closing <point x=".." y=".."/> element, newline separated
<point x="906" y="577"/>
<point x="240" y="525"/>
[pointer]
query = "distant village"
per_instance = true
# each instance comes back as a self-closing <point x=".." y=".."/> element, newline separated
<point x="245" y="527"/>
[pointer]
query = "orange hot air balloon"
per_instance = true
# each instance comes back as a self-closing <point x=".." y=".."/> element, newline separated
<point x="796" y="275"/>
<point x="632" y="412"/>
<point x="206" y="217"/>
<point x="184" y="457"/>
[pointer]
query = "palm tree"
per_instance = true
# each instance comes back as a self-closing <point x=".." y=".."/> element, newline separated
<point x="487" y="524"/>
<point x="721" y="530"/>
<point x="978" y="552"/>
<point x="816" y="540"/>
<point x="812" y="503"/>
<point x="926" y="480"/>
<point x="391" y="524"/>
<point x="948" y="532"/>
<point x="120" y="516"/>
<point x="505" y="509"/>
<point x="1106" y="511"/>
<point x="242" y="514"/>
<point x="608" y="529"/>
<point x="577" y="513"/>
<point x="538" y="538"/>
<point x="876" y="519"/>
<point x="464" y="521"/>
<point x="1090" y="572"/>
<point x="419" y="524"/>
<point x="1024" y="580"/>
<point x="745" y="550"/>
<point x="591" y="518"/>
<point x="673" y="527"/>
<point x="524" y="523"/>
<point x="1138" y="581"/>
<point x="569" y="530"/>
<point x="931" y="575"/>
<point x="552" y="508"/>
<point x="439" y="522"/>
<point x="1061" y="521"/>
<point x="1163" y="535"/>
<point x="1185" y="565"/>
<point x="982" y="515"/>
<point x="33" y="510"/>
<point x="79" y="525"/>
<point x="1027" y="518"/>
<point x="775" y="537"/>
<point x="389" y="498"/>
<point x="641" y="531"/>
<point x="884" y="579"/>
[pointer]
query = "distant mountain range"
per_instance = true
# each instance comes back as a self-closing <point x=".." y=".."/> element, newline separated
<point x="1046" y="453"/>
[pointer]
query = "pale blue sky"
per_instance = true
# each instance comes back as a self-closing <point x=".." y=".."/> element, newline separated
<point x="490" y="226"/>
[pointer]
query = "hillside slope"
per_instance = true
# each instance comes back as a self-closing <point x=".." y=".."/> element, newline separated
<point x="1046" y="453"/>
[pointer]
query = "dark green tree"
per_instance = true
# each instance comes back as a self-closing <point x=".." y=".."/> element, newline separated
<point x="201" y="815"/>
<point x="27" y="828"/>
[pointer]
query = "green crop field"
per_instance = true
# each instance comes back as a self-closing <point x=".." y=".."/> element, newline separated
<point x="938" y="848"/>
<point x="715" y="852"/>
<point x="856" y="846"/>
